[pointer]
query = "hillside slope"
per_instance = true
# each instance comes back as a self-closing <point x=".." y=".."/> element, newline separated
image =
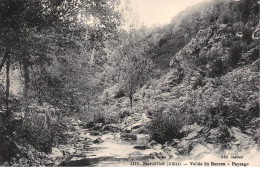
<point x="214" y="81"/>
<point x="185" y="26"/>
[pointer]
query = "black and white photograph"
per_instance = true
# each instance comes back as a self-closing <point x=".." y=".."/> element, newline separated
<point x="129" y="83"/>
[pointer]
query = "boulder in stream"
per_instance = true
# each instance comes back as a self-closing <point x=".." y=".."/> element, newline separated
<point x="98" y="141"/>
<point x="128" y="136"/>
<point x="56" y="153"/>
<point x="199" y="150"/>
<point x="137" y="125"/>
<point x="174" y="142"/>
<point x="241" y="139"/>
<point x="95" y="133"/>
<point x="112" y="127"/>
<point x="141" y="147"/>
<point x="152" y="143"/>
<point x="158" y="155"/>
<point x="97" y="126"/>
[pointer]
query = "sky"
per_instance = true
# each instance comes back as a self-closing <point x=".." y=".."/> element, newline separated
<point x="158" y="12"/>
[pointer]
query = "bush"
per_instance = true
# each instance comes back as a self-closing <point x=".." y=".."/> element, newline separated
<point x="42" y="128"/>
<point x="116" y="116"/>
<point x="247" y="35"/>
<point x="120" y="93"/>
<point x="234" y="55"/>
<point x="255" y="55"/>
<point x="125" y="112"/>
<point x="166" y="125"/>
<point x="8" y="147"/>
<point x="217" y="68"/>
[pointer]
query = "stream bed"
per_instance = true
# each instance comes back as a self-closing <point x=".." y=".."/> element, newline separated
<point x="112" y="151"/>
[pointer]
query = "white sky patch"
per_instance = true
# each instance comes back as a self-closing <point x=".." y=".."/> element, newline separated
<point x="158" y="12"/>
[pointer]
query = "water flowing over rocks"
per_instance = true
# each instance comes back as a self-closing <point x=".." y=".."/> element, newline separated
<point x="111" y="145"/>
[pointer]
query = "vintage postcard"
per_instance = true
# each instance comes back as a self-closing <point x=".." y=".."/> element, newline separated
<point x="129" y="83"/>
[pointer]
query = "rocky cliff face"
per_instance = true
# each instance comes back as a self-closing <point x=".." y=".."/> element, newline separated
<point x="210" y="52"/>
<point x="214" y="81"/>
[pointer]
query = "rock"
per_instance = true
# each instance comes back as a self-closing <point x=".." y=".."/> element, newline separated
<point x="31" y="148"/>
<point x="127" y="129"/>
<point x="135" y="155"/>
<point x="98" y="141"/>
<point x="128" y="120"/>
<point x="184" y="147"/>
<point x="97" y="126"/>
<point x="158" y="155"/>
<point x="213" y="135"/>
<point x="111" y="128"/>
<point x="95" y="133"/>
<point x="75" y="124"/>
<point x="145" y="119"/>
<point x="192" y="135"/>
<point x="152" y="143"/>
<point x="239" y="34"/>
<point x="242" y="139"/>
<point x="253" y="129"/>
<point x="85" y="125"/>
<point x="37" y="162"/>
<point x="141" y="147"/>
<point x="15" y="165"/>
<point x="128" y="136"/>
<point x="6" y="164"/>
<point x="186" y="130"/>
<point x="171" y="152"/>
<point x="13" y="160"/>
<point x="256" y="33"/>
<point x="137" y="125"/>
<point x="199" y="150"/>
<point x="23" y="161"/>
<point x="56" y="153"/>
<point x="49" y="162"/>
<point x="140" y="130"/>
<point x="174" y="142"/>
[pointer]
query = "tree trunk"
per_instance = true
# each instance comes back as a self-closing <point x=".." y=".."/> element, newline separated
<point x="7" y="86"/>
<point x="2" y="113"/>
<point x="131" y="100"/>
<point x="26" y="85"/>
<point x="4" y="59"/>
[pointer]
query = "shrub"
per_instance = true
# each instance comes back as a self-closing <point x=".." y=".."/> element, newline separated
<point x="247" y="35"/>
<point x="166" y="125"/>
<point x="255" y="55"/>
<point x="8" y="147"/>
<point x="125" y="112"/>
<point x="201" y="60"/>
<point x="120" y="93"/>
<point x="234" y="55"/>
<point x="42" y="128"/>
<point x="217" y="68"/>
<point x="117" y="116"/>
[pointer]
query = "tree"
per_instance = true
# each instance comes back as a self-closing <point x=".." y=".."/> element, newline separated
<point x="135" y="67"/>
<point x="37" y="33"/>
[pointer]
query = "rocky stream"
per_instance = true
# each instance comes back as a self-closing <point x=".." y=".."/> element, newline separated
<point x="128" y="144"/>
